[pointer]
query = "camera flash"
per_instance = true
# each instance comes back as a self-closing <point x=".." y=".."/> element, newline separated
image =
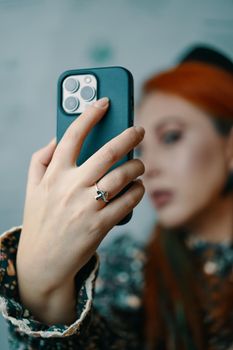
<point x="87" y="79"/>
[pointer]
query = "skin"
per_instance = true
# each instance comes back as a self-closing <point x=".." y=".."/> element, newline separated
<point x="59" y="198"/>
<point x="63" y="224"/>
<point x="186" y="155"/>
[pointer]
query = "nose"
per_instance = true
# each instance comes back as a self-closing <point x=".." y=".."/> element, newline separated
<point x="152" y="168"/>
<point x="150" y="172"/>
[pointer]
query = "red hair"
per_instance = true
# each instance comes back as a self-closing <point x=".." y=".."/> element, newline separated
<point x="207" y="86"/>
<point x="210" y="88"/>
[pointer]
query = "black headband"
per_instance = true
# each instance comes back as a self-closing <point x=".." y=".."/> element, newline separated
<point x="207" y="54"/>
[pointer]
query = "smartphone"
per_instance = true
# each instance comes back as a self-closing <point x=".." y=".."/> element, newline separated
<point x="80" y="87"/>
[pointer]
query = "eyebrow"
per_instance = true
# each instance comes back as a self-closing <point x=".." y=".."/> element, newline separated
<point x="167" y="120"/>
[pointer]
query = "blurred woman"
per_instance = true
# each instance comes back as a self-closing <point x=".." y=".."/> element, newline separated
<point x="187" y="113"/>
<point x="174" y="292"/>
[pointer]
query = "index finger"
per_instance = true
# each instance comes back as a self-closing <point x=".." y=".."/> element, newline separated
<point x="68" y="149"/>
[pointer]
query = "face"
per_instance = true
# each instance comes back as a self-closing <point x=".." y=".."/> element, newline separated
<point x="185" y="159"/>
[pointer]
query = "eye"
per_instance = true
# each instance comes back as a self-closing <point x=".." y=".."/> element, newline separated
<point x="171" y="136"/>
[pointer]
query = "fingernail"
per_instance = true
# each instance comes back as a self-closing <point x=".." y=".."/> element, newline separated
<point x="140" y="130"/>
<point x="102" y="102"/>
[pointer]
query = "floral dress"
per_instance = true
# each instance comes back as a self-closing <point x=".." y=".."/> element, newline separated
<point x="109" y="310"/>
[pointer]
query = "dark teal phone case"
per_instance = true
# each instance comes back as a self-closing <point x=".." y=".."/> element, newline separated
<point x="117" y="84"/>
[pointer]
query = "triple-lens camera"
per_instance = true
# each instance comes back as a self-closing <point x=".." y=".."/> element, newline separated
<point x="78" y="91"/>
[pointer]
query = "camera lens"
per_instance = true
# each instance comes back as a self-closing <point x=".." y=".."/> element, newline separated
<point x="71" y="84"/>
<point x="71" y="103"/>
<point x="87" y="93"/>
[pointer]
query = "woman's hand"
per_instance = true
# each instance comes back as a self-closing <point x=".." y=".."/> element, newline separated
<point x="63" y="224"/>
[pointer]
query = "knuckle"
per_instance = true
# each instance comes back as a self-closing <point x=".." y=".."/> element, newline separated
<point x="68" y="195"/>
<point x="48" y="181"/>
<point x="74" y="129"/>
<point x="78" y="215"/>
<point x="91" y="109"/>
<point x="73" y="132"/>
<point x="96" y="225"/>
<point x="65" y="200"/>
<point x="109" y="154"/>
<point x="121" y="178"/>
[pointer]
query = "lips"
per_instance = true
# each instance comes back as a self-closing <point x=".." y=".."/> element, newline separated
<point x="161" y="197"/>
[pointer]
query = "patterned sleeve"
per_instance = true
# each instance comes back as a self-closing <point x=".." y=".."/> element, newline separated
<point x="91" y="330"/>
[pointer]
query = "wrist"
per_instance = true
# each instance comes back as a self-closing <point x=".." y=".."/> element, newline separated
<point x="58" y="306"/>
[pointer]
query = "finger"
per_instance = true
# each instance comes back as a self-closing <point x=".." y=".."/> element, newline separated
<point x="117" y="209"/>
<point x="100" y="162"/>
<point x="118" y="178"/>
<point x="40" y="161"/>
<point x="68" y="149"/>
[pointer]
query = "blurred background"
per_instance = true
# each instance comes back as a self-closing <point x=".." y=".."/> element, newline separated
<point x="39" y="39"/>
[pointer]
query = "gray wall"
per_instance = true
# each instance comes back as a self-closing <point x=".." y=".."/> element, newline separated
<point x="41" y="38"/>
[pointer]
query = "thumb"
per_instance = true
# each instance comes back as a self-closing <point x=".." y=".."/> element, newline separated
<point x="40" y="161"/>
